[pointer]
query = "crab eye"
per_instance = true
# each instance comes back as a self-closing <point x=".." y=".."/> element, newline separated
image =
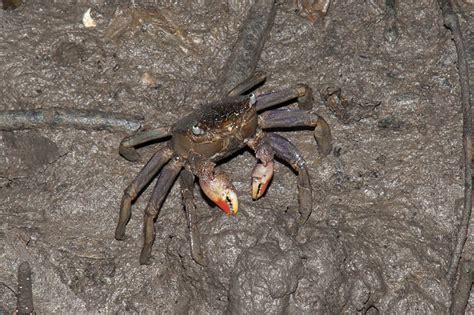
<point x="197" y="131"/>
<point x="253" y="99"/>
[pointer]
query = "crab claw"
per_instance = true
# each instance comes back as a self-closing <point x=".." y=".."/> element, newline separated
<point x="221" y="191"/>
<point x="261" y="177"/>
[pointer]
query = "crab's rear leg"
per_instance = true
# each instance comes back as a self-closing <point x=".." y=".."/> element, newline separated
<point x="135" y="187"/>
<point x="284" y="118"/>
<point x="249" y="83"/>
<point x="187" y="188"/>
<point x="165" y="180"/>
<point x="287" y="152"/>
<point x="301" y="92"/>
<point x="127" y="145"/>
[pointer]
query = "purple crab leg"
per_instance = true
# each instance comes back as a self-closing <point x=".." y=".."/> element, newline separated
<point x="287" y="152"/>
<point x="301" y="92"/>
<point x="136" y="186"/>
<point x="246" y="85"/>
<point x="187" y="189"/>
<point x="284" y="118"/>
<point x="246" y="51"/>
<point x="126" y="148"/>
<point x="166" y="178"/>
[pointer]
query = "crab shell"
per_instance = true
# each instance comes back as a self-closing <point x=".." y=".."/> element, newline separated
<point x="217" y="129"/>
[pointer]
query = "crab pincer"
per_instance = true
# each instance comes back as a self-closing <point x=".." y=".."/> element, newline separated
<point x="261" y="176"/>
<point x="263" y="171"/>
<point x="219" y="189"/>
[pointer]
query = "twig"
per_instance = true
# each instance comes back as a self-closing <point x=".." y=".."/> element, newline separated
<point x="64" y="117"/>
<point x="391" y="29"/>
<point x="451" y="22"/>
<point x="8" y="287"/>
<point x="461" y="294"/>
<point x="25" y="292"/>
<point x="248" y="47"/>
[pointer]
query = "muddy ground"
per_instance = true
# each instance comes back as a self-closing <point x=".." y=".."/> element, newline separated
<point x="387" y="200"/>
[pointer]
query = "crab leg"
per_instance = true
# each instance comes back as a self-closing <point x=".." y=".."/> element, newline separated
<point x="286" y="151"/>
<point x="252" y="81"/>
<point x="166" y="178"/>
<point x="263" y="172"/>
<point x="136" y="186"/>
<point x="283" y="118"/>
<point x="187" y="188"/>
<point x="301" y="92"/>
<point x="215" y="184"/>
<point x="126" y="148"/>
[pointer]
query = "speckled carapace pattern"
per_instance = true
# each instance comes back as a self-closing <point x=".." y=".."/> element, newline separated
<point x="386" y="201"/>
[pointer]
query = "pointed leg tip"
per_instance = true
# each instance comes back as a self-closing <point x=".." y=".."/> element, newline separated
<point x="120" y="235"/>
<point x="130" y="154"/>
<point x="325" y="150"/>
<point x="145" y="259"/>
<point x="303" y="219"/>
<point x="199" y="259"/>
<point x="322" y="135"/>
<point x="304" y="214"/>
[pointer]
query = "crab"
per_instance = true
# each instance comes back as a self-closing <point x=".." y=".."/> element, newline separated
<point x="211" y="133"/>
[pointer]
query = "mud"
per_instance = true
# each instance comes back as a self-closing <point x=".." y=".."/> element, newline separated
<point x="387" y="201"/>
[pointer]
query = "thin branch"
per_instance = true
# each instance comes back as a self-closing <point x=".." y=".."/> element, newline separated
<point x="64" y="117"/>
<point x="463" y="288"/>
<point x="25" y="292"/>
<point x="452" y="23"/>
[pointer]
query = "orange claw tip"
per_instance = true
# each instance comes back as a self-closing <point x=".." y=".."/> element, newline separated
<point x="228" y="203"/>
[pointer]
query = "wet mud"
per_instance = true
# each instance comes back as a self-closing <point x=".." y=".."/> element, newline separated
<point x="387" y="201"/>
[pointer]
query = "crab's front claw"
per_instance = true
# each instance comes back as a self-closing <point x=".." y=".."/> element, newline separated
<point x="220" y="190"/>
<point x="261" y="176"/>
